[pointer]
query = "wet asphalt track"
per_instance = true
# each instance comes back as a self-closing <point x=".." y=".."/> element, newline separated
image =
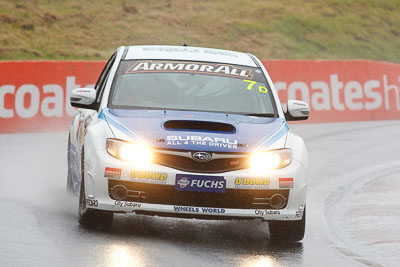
<point x="352" y="211"/>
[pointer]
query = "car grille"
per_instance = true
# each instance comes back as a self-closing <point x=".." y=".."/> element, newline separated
<point x="217" y="165"/>
<point x="167" y="195"/>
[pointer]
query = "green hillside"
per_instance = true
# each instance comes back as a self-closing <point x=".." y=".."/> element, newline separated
<point x="274" y="29"/>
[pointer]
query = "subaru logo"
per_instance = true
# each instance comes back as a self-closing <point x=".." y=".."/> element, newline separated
<point x="201" y="156"/>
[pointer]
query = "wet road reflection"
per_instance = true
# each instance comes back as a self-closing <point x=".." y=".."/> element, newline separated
<point x="123" y="256"/>
<point x="243" y="243"/>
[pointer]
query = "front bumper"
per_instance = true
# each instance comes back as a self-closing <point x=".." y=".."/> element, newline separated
<point x="160" y="198"/>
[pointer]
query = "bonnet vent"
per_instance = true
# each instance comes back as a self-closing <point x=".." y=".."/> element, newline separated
<point x="202" y="126"/>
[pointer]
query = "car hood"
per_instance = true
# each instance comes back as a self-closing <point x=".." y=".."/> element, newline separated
<point x="197" y="131"/>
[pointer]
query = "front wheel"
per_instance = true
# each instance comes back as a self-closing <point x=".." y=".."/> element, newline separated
<point x="288" y="231"/>
<point x="92" y="218"/>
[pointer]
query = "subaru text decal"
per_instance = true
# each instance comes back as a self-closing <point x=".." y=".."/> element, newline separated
<point x="194" y="140"/>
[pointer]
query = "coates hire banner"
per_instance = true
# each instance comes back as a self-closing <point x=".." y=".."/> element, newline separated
<point x="34" y="95"/>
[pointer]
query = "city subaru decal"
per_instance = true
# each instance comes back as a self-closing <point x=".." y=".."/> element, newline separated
<point x="200" y="183"/>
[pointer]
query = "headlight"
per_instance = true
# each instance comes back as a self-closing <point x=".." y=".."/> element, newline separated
<point x="274" y="159"/>
<point x="137" y="153"/>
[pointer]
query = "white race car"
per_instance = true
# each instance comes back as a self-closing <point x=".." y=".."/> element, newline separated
<point x="187" y="132"/>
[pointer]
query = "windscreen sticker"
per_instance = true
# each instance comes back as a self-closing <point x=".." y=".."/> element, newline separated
<point x="261" y="89"/>
<point x="190" y="67"/>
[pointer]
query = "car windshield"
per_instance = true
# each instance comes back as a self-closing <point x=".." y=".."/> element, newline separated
<point x="196" y="86"/>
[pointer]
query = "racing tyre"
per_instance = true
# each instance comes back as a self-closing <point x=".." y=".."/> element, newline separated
<point x="288" y="231"/>
<point x="92" y="218"/>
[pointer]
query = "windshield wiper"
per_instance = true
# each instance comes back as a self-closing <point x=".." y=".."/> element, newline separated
<point x="268" y="115"/>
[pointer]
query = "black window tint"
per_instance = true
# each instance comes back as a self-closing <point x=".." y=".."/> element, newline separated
<point x="103" y="78"/>
<point x="104" y="73"/>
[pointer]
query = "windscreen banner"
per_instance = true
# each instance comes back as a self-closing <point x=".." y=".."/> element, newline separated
<point x="34" y="95"/>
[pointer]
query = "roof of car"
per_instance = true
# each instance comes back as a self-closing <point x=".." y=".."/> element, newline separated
<point x="189" y="53"/>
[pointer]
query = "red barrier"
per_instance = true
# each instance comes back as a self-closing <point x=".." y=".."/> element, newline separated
<point x="340" y="90"/>
<point x="34" y="95"/>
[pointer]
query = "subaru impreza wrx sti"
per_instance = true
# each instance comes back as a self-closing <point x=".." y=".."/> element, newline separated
<point x="187" y="132"/>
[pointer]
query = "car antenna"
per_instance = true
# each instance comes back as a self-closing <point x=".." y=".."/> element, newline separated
<point x="184" y="40"/>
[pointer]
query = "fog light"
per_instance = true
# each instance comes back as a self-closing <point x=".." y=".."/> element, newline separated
<point x="277" y="201"/>
<point x="119" y="192"/>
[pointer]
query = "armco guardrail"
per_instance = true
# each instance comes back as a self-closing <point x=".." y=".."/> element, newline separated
<point x="34" y="95"/>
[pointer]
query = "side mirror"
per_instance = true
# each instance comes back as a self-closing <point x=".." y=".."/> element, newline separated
<point x="83" y="97"/>
<point x="297" y="110"/>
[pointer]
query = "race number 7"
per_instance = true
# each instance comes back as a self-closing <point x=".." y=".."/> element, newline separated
<point x="261" y="89"/>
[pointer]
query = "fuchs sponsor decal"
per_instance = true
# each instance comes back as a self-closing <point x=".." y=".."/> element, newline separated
<point x="267" y="212"/>
<point x="149" y="177"/>
<point x="199" y="183"/>
<point x="198" y="210"/>
<point x="174" y="140"/>
<point x="252" y="183"/>
<point x="190" y="67"/>
<point x="112" y="173"/>
<point x="285" y="182"/>
<point x="127" y="204"/>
